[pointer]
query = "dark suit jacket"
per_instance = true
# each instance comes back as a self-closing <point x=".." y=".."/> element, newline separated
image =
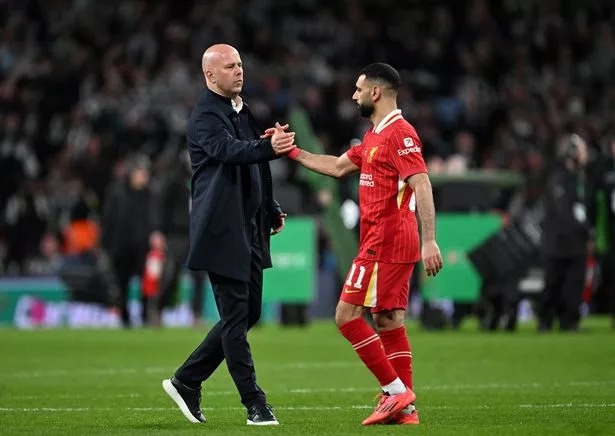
<point x="220" y="231"/>
<point x="564" y="235"/>
<point x="128" y="218"/>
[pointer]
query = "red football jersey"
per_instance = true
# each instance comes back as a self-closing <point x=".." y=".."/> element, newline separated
<point x="389" y="154"/>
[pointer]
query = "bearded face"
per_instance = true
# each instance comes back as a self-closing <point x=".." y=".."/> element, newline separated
<point x="363" y="97"/>
<point x="366" y="109"/>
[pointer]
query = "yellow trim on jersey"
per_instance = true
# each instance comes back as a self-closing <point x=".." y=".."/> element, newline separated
<point x="372" y="289"/>
<point x="402" y="186"/>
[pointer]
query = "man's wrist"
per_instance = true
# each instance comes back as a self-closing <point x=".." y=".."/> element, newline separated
<point x="294" y="153"/>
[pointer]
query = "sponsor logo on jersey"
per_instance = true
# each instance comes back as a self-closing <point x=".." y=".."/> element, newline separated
<point x="408" y="142"/>
<point x="366" y="180"/>
<point x="415" y="149"/>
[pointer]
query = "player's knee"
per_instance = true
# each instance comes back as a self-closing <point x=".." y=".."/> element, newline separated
<point x="345" y="313"/>
<point x="341" y="319"/>
<point x="386" y="325"/>
<point x="389" y="320"/>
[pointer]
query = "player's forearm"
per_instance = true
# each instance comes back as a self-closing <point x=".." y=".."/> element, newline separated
<point x="426" y="208"/>
<point x="321" y="163"/>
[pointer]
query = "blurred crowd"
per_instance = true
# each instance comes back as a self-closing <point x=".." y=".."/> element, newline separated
<point x="85" y="84"/>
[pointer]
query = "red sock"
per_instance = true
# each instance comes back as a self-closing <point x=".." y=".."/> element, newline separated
<point x="367" y="344"/>
<point x="397" y="348"/>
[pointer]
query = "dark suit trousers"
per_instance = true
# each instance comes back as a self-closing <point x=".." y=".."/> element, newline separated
<point x="239" y="306"/>
<point x="563" y="291"/>
<point x="606" y="287"/>
<point x="127" y="263"/>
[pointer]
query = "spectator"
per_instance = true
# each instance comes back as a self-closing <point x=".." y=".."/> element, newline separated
<point x="82" y="233"/>
<point x="565" y="238"/>
<point x="127" y="222"/>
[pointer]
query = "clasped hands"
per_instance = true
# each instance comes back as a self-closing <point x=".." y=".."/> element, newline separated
<point x="282" y="141"/>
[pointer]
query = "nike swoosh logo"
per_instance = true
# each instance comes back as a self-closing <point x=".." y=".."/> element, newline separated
<point x="350" y="291"/>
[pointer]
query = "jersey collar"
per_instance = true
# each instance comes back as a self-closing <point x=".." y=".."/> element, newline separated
<point x="389" y="119"/>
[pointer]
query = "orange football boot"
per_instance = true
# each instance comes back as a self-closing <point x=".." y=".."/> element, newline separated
<point x="388" y="406"/>
<point x="405" y="418"/>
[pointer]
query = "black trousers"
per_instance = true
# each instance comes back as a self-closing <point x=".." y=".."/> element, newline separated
<point x="563" y="292"/>
<point x="128" y="263"/>
<point x="606" y="287"/>
<point x="239" y="305"/>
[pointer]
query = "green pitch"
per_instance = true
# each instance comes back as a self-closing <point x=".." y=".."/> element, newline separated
<point x="84" y="382"/>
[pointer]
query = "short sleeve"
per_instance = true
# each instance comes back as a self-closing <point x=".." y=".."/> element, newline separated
<point x="407" y="152"/>
<point x="355" y="154"/>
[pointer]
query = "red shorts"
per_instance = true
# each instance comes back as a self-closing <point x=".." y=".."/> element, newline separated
<point x="381" y="286"/>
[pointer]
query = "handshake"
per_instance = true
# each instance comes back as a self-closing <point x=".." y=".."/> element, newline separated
<point x="282" y="141"/>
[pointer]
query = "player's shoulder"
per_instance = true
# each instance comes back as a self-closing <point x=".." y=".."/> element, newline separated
<point x="402" y="133"/>
<point x="401" y="126"/>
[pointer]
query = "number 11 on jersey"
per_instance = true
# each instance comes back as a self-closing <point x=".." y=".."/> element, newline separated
<point x="359" y="281"/>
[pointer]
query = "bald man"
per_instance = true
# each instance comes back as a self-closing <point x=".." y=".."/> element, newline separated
<point x="232" y="215"/>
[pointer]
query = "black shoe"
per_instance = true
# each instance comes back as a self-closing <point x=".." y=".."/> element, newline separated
<point x="188" y="400"/>
<point x="261" y="414"/>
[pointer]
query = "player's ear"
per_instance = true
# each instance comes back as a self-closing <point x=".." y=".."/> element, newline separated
<point x="376" y="93"/>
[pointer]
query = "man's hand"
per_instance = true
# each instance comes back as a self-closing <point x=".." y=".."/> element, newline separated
<point x="271" y="130"/>
<point x="432" y="259"/>
<point x="279" y="224"/>
<point x="282" y="141"/>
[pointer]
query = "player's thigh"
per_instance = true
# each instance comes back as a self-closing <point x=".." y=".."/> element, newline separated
<point x="360" y="285"/>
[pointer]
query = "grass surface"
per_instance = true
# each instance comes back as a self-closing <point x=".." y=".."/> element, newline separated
<point x="78" y="382"/>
